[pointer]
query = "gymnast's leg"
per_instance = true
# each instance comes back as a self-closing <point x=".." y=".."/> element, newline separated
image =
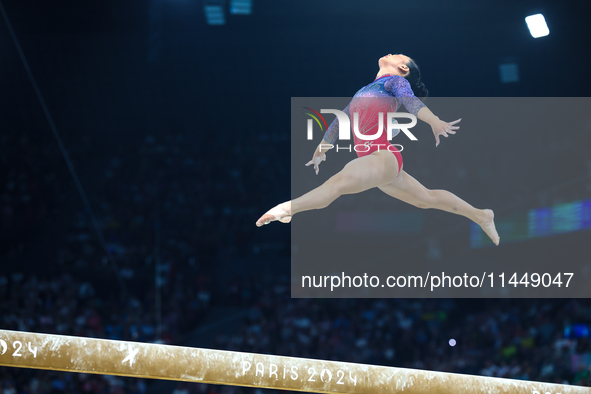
<point x="408" y="189"/>
<point x="363" y="173"/>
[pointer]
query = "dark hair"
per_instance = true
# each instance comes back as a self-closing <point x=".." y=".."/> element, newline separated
<point x="414" y="78"/>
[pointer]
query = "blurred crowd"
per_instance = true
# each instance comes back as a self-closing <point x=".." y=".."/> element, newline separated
<point x="545" y="340"/>
<point x="139" y="267"/>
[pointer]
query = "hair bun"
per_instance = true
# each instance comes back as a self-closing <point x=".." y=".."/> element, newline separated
<point x="420" y="90"/>
<point x="414" y="78"/>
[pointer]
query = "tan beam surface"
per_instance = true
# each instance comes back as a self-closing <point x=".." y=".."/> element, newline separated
<point x="146" y="360"/>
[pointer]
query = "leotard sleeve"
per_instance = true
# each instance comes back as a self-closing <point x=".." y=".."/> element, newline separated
<point x="400" y="88"/>
<point x="333" y="130"/>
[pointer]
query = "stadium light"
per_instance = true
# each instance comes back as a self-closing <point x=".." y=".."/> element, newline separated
<point x="214" y="12"/>
<point x="240" y="7"/>
<point x="537" y="25"/>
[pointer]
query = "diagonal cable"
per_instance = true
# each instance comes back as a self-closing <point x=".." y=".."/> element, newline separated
<point x="58" y="138"/>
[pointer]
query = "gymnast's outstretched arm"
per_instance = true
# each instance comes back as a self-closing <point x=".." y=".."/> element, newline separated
<point x="333" y="130"/>
<point x="439" y="127"/>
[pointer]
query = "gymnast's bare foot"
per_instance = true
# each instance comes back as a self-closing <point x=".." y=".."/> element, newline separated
<point x="281" y="212"/>
<point x="487" y="222"/>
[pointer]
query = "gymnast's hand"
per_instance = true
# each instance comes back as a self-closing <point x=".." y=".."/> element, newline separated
<point x="442" y="128"/>
<point x="319" y="155"/>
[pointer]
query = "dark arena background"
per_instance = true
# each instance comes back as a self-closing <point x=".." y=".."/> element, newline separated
<point x="141" y="140"/>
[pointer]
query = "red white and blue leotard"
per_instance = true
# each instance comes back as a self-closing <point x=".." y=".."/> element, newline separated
<point x="383" y="95"/>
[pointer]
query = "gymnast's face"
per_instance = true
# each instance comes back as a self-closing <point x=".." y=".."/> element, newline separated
<point x="395" y="63"/>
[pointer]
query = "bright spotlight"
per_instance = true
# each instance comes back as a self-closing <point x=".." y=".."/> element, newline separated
<point x="537" y="25"/>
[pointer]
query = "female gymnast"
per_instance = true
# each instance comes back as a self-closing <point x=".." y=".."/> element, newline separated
<point x="379" y="163"/>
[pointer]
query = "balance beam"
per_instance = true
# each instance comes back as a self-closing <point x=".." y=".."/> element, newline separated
<point x="156" y="361"/>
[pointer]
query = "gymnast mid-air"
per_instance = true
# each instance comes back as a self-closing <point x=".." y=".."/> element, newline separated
<point x="379" y="163"/>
